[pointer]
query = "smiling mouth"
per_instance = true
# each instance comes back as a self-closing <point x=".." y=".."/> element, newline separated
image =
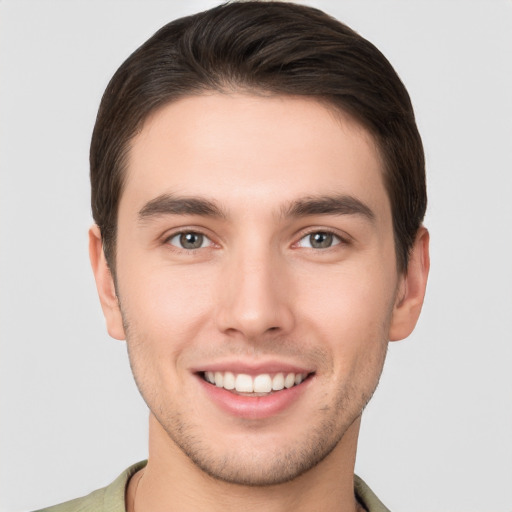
<point x="257" y="385"/>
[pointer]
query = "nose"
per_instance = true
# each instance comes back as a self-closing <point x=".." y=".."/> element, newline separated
<point x="255" y="295"/>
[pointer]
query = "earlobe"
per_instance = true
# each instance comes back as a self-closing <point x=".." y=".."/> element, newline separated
<point x="411" y="293"/>
<point x="105" y="285"/>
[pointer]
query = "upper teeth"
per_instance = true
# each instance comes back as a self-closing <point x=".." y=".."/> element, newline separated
<point x="263" y="383"/>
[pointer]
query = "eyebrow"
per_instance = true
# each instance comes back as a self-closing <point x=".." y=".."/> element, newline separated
<point x="328" y="205"/>
<point x="169" y="204"/>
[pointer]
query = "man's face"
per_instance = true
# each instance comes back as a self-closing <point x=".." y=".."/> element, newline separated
<point x="255" y="248"/>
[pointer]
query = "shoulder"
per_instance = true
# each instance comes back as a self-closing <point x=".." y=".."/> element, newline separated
<point x="91" y="502"/>
<point x="367" y="497"/>
<point x="106" y="499"/>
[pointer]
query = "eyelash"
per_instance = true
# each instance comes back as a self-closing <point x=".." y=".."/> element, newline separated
<point x="205" y="238"/>
<point x="188" y="232"/>
<point x="334" y="239"/>
<point x="335" y="235"/>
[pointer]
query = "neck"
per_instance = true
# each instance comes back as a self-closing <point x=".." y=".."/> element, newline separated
<point x="171" y="481"/>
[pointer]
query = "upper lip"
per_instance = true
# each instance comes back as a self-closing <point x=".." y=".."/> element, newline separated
<point x="238" y="366"/>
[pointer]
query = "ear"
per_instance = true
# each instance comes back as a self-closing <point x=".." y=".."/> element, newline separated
<point x="105" y="285"/>
<point x="411" y="289"/>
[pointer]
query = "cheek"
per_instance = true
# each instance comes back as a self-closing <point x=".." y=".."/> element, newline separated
<point x="347" y="298"/>
<point x="166" y="306"/>
<point x="351" y="312"/>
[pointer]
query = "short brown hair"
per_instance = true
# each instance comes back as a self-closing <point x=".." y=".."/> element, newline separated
<point x="271" y="47"/>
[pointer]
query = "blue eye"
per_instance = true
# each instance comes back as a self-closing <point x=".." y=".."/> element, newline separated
<point x="319" y="240"/>
<point x="189" y="240"/>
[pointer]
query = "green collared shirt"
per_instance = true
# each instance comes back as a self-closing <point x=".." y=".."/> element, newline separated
<point x="112" y="497"/>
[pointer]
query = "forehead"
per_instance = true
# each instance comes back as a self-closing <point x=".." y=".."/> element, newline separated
<point x="243" y="149"/>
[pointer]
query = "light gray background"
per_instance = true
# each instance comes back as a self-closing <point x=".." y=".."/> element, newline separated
<point x="438" y="434"/>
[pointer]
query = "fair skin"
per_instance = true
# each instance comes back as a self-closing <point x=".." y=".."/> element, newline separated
<point x="255" y="238"/>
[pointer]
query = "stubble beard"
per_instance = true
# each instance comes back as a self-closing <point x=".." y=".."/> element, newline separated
<point x="247" y="465"/>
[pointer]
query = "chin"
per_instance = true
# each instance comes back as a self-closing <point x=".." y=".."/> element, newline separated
<point x="254" y="459"/>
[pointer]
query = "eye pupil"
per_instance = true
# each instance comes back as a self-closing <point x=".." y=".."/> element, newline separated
<point x="191" y="240"/>
<point x="320" y="240"/>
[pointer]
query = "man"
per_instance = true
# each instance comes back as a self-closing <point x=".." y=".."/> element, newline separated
<point x="258" y="190"/>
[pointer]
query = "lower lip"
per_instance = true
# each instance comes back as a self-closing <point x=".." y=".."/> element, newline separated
<point x="254" y="407"/>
